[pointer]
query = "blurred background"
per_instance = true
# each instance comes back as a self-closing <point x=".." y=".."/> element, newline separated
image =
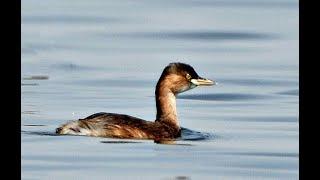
<point x="82" y="57"/>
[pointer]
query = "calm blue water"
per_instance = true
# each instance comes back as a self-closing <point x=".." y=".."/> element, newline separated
<point x="93" y="56"/>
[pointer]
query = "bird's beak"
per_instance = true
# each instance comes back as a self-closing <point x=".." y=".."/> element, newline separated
<point x="203" y="82"/>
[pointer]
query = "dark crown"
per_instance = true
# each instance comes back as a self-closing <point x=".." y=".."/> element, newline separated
<point x="181" y="69"/>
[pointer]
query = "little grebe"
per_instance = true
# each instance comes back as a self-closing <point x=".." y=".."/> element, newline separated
<point x="175" y="78"/>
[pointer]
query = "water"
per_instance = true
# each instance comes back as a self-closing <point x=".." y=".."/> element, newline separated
<point x="83" y="57"/>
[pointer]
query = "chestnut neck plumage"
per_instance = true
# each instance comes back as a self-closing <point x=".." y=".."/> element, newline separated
<point x="166" y="103"/>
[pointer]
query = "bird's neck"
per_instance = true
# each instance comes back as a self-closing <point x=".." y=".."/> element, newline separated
<point x="166" y="105"/>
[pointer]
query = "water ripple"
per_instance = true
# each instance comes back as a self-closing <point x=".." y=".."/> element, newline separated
<point x="68" y="19"/>
<point x="294" y="92"/>
<point x="208" y="35"/>
<point x="40" y="133"/>
<point x="191" y="135"/>
<point x="198" y="35"/>
<point x="268" y="154"/>
<point x="34" y="125"/>
<point x="222" y="97"/>
<point x="36" y="77"/>
<point x="119" y="142"/>
<point x="73" y="67"/>
<point x="277" y="119"/>
<point x="259" y="82"/>
<point x="243" y="3"/>
<point x="112" y="82"/>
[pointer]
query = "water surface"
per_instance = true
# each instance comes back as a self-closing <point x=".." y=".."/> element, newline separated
<point x="83" y="57"/>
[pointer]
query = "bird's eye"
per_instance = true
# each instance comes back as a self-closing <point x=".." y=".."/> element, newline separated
<point x="188" y="76"/>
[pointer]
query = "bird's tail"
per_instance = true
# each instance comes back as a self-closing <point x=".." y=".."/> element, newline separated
<point x="69" y="128"/>
<point x="75" y="128"/>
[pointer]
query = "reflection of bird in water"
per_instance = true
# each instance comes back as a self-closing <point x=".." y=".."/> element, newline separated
<point x="175" y="78"/>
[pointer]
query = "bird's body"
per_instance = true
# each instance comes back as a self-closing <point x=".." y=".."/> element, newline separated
<point x="119" y="126"/>
<point x="175" y="78"/>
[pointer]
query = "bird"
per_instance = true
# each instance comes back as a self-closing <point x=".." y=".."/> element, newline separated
<point x="176" y="78"/>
